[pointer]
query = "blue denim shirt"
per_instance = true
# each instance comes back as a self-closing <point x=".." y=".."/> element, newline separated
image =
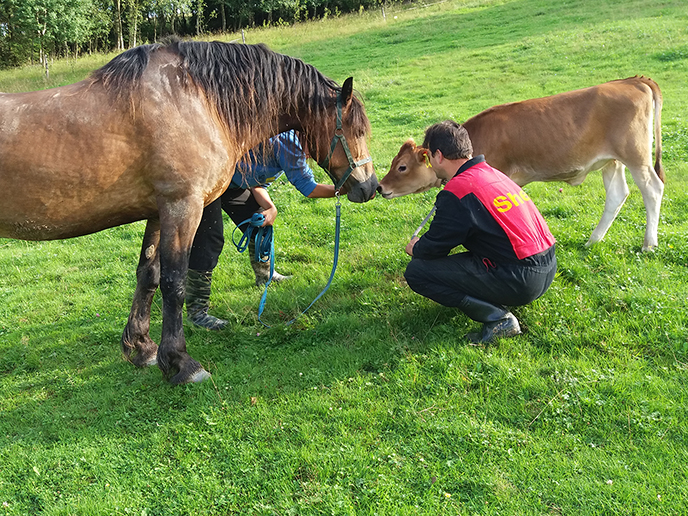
<point x="285" y="156"/>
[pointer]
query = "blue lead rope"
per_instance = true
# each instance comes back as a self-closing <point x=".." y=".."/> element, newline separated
<point x="265" y="250"/>
<point x="263" y="236"/>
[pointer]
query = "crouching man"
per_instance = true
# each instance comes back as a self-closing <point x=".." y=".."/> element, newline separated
<point x="510" y="260"/>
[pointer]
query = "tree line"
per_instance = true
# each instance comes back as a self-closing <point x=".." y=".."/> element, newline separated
<point x="34" y="30"/>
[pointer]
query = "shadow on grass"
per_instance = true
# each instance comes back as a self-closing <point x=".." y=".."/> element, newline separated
<point x="69" y="379"/>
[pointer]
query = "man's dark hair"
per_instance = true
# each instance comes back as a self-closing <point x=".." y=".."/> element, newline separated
<point x="449" y="137"/>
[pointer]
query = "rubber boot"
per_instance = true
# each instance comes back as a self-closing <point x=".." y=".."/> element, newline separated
<point x="497" y="320"/>
<point x="198" y="300"/>
<point x="262" y="269"/>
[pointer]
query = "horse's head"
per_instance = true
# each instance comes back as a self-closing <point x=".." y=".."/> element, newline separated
<point x="341" y="149"/>
<point x="409" y="173"/>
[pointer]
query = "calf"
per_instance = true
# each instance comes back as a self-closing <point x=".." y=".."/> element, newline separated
<point x="562" y="138"/>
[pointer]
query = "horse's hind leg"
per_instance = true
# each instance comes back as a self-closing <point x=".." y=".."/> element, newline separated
<point x="137" y="345"/>
<point x="179" y="221"/>
<point x="616" y="194"/>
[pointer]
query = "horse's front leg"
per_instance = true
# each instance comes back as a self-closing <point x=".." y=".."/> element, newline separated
<point x="178" y="223"/>
<point x="137" y="345"/>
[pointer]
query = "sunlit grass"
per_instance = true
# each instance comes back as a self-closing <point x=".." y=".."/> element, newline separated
<point x="373" y="402"/>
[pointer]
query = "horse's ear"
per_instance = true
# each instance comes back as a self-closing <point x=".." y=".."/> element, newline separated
<point x="347" y="90"/>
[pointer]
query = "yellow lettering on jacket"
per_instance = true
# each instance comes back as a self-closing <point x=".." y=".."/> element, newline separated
<point x="501" y="204"/>
<point x="514" y="200"/>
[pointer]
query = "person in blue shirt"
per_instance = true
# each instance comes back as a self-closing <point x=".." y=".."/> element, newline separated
<point x="247" y="194"/>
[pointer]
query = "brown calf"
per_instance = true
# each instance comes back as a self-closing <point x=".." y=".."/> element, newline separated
<point x="563" y="138"/>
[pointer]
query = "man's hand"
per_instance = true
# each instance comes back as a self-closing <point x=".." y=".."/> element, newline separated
<point x="409" y="246"/>
<point x="323" y="191"/>
<point x="264" y="201"/>
<point x="270" y="215"/>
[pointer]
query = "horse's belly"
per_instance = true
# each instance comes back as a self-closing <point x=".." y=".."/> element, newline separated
<point x="36" y="211"/>
<point x="36" y="229"/>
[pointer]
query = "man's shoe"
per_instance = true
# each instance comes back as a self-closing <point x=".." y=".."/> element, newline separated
<point x="507" y="327"/>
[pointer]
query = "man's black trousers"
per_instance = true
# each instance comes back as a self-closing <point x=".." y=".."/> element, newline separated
<point x="240" y="205"/>
<point x="448" y="280"/>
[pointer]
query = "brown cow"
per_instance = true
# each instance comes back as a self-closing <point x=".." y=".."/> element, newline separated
<point x="563" y="138"/>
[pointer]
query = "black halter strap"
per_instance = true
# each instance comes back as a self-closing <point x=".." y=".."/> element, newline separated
<point x="339" y="137"/>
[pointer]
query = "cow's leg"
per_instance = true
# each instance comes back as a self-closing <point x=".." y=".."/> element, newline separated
<point x="616" y="193"/>
<point x="652" y="189"/>
<point x="137" y="345"/>
<point x="178" y="223"/>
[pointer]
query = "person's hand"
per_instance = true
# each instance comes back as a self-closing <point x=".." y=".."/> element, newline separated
<point x="270" y="215"/>
<point x="409" y="246"/>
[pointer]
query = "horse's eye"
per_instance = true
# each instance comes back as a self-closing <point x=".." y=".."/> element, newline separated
<point x="402" y="168"/>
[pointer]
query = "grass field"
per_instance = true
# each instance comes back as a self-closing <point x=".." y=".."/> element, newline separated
<point x="373" y="403"/>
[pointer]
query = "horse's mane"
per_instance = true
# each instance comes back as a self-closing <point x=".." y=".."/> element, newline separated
<point x="248" y="84"/>
<point x="123" y="73"/>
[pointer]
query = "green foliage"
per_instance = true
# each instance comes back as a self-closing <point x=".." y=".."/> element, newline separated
<point x="373" y="402"/>
<point x="32" y="29"/>
<point x="45" y="26"/>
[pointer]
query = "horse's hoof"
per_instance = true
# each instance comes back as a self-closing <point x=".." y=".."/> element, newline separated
<point x="199" y="376"/>
<point x="144" y="359"/>
<point x="182" y="378"/>
<point x="151" y="361"/>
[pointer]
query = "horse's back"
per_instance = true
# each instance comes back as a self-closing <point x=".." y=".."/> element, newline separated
<point x="81" y="158"/>
<point x="61" y="152"/>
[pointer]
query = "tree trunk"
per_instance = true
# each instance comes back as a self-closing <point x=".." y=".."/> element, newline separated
<point x="44" y="62"/>
<point x="133" y="22"/>
<point x="118" y="24"/>
<point x="43" y="55"/>
<point x="223" y="17"/>
<point x="199" y="17"/>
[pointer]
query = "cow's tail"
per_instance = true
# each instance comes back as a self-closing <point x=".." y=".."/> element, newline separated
<point x="657" y="101"/>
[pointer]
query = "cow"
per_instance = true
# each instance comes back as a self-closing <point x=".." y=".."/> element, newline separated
<point x="562" y="138"/>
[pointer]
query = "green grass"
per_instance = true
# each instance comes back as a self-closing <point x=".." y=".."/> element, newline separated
<point x="373" y="403"/>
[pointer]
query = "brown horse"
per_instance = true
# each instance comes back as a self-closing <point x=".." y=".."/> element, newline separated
<point x="155" y="134"/>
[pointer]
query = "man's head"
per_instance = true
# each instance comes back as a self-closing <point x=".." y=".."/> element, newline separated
<point x="450" y="138"/>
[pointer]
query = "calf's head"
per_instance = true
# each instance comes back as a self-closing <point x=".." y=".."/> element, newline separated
<point x="409" y="173"/>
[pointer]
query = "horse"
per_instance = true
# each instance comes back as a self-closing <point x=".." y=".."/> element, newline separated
<point x="155" y="135"/>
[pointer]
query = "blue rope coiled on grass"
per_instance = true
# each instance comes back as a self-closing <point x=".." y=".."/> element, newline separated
<point x="265" y="250"/>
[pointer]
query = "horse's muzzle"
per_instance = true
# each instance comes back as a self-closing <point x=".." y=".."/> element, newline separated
<point x="363" y="192"/>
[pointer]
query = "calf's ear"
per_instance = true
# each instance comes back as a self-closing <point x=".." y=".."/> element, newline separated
<point x="420" y="153"/>
<point x="409" y="145"/>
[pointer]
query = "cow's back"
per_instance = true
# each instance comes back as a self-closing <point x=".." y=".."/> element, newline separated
<point x="562" y="137"/>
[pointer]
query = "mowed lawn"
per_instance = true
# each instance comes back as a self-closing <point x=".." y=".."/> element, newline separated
<point x="373" y="402"/>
